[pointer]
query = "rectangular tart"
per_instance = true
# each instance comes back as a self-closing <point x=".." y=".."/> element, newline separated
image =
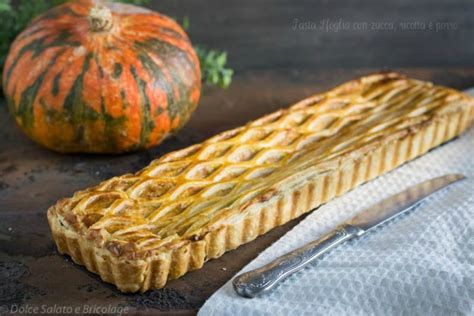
<point x="139" y="230"/>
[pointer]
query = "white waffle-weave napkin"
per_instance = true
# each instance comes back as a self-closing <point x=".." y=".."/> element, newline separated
<point x="419" y="264"/>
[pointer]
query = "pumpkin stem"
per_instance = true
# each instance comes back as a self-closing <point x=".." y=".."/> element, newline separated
<point x="100" y="19"/>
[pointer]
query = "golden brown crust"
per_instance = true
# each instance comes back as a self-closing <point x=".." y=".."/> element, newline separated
<point x="136" y="251"/>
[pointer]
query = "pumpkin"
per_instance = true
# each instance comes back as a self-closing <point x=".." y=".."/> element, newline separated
<point x="100" y="77"/>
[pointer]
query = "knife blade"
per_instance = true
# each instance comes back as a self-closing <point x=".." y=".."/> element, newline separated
<point x="261" y="280"/>
<point x="399" y="203"/>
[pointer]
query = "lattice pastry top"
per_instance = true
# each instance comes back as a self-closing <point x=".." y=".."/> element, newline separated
<point x="186" y="193"/>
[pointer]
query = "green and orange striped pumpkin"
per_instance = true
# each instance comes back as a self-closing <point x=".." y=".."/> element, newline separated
<point x="99" y="77"/>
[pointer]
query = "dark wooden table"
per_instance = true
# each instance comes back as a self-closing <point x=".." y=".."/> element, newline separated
<point x="32" y="273"/>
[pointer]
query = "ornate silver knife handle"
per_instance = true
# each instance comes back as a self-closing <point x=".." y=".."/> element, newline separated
<point x="255" y="282"/>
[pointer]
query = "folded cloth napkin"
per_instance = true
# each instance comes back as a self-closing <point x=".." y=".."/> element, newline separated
<point x="421" y="263"/>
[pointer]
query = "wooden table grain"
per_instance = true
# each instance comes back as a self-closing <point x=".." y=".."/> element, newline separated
<point x="32" y="273"/>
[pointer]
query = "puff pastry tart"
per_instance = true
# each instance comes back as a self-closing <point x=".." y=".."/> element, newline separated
<point x="139" y="230"/>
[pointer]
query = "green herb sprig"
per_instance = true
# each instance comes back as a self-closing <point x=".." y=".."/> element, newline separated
<point x="213" y="66"/>
<point x="14" y="19"/>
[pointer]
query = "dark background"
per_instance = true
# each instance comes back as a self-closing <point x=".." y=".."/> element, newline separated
<point x="275" y="66"/>
<point x="260" y="34"/>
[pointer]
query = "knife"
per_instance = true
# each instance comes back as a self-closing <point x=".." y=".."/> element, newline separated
<point x="255" y="282"/>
